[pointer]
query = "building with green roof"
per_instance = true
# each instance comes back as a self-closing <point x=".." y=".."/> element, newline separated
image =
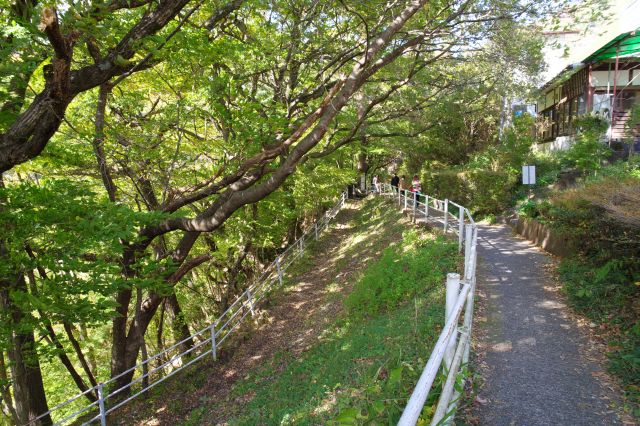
<point x="605" y="83"/>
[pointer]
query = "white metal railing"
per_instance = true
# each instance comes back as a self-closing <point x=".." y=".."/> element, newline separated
<point x="451" y="351"/>
<point x="206" y="342"/>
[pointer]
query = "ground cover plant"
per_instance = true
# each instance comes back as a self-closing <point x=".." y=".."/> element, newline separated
<point x="366" y="362"/>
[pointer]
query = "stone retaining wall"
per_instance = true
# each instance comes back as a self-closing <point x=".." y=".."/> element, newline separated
<point x="542" y="236"/>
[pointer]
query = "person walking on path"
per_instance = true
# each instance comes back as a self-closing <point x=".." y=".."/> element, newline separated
<point x="395" y="181"/>
<point x="416" y="186"/>
<point x="376" y="185"/>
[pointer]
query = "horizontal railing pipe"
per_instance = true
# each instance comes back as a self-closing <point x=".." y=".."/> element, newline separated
<point x="458" y="220"/>
<point x="412" y="411"/>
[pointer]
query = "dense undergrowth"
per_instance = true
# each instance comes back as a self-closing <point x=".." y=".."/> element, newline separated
<point x="366" y="363"/>
<point x="601" y="221"/>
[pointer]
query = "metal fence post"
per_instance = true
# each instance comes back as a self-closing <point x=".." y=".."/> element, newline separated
<point x="446" y="214"/>
<point x="103" y="413"/>
<point x="453" y="291"/>
<point x="460" y="227"/>
<point x="468" y="323"/>
<point x="468" y="319"/>
<point x="399" y="194"/>
<point x="405" y="199"/>
<point x="426" y="208"/>
<point x="415" y="205"/>
<point x="279" y="269"/>
<point x="467" y="251"/>
<point x="250" y="300"/>
<point x="214" y="347"/>
<point x="315" y="228"/>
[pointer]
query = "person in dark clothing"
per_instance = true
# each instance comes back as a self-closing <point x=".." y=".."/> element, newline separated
<point x="395" y="181"/>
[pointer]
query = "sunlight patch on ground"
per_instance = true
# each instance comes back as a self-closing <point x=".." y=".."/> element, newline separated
<point x="502" y="347"/>
<point x="333" y="288"/>
<point x="326" y="405"/>
<point x="550" y="304"/>
<point x="539" y="319"/>
<point x="528" y="341"/>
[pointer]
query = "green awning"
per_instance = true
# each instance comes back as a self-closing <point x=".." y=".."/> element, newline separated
<point x="626" y="44"/>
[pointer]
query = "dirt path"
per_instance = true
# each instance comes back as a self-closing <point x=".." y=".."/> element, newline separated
<point x="535" y="363"/>
<point x="291" y="324"/>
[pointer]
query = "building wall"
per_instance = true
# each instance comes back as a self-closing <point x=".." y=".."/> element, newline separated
<point x="570" y="47"/>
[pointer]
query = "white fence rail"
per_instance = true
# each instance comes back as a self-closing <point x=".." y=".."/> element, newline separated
<point x="206" y="342"/>
<point x="451" y="351"/>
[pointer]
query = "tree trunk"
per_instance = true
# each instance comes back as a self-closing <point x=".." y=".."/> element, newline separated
<point x="28" y="388"/>
<point x="179" y="325"/>
<point x="7" y="399"/>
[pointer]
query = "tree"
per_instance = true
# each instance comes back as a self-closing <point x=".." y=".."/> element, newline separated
<point x="27" y="129"/>
<point x="202" y="114"/>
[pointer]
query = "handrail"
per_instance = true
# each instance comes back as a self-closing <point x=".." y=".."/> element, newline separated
<point x="238" y="310"/>
<point x="453" y="345"/>
<point x="414" y="406"/>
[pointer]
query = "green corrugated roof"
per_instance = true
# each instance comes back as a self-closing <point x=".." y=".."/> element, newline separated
<point x="623" y="45"/>
<point x="626" y="44"/>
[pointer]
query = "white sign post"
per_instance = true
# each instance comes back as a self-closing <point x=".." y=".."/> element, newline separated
<point x="528" y="175"/>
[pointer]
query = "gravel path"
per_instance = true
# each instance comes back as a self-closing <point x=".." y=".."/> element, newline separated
<point x="534" y="369"/>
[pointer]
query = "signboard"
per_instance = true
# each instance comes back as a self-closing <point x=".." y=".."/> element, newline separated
<point x="528" y="175"/>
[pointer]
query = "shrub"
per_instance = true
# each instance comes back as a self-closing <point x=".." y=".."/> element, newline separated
<point x="484" y="191"/>
<point x="446" y="184"/>
<point x="587" y="153"/>
<point x="490" y="190"/>
<point x="548" y="167"/>
<point x="598" y="290"/>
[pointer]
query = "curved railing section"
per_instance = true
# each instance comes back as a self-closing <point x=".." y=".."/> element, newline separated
<point x="204" y="343"/>
<point x="451" y="351"/>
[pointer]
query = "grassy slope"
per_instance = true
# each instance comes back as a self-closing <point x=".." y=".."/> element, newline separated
<point x="365" y="364"/>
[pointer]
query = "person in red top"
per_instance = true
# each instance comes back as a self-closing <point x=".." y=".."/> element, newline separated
<point x="415" y="184"/>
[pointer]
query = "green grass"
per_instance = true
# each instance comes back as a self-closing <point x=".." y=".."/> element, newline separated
<point x="368" y="360"/>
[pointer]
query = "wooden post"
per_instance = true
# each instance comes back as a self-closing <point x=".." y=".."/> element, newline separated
<point x="589" y="90"/>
